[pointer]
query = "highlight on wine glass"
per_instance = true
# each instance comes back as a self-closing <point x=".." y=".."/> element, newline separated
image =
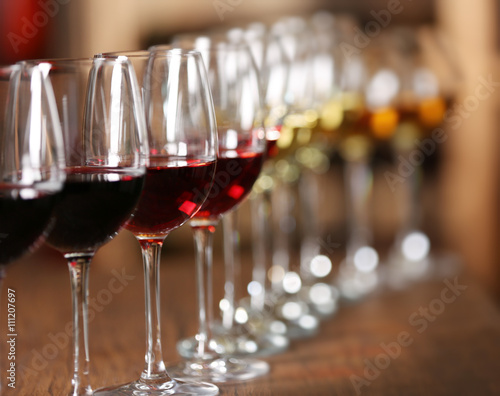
<point x="106" y="156"/>
<point x="237" y="100"/>
<point x="182" y="137"/>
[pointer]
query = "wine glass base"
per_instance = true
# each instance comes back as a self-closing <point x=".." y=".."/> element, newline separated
<point x="295" y="313"/>
<point x="223" y="369"/>
<point x="172" y="387"/>
<point x="236" y="343"/>
<point x="400" y="272"/>
<point x="322" y="298"/>
<point x="354" y="284"/>
<point x="295" y="320"/>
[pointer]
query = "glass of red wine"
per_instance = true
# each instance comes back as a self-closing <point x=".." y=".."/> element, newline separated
<point x="242" y="144"/>
<point x="246" y="326"/>
<point x="106" y="156"/>
<point x="183" y="154"/>
<point x="31" y="159"/>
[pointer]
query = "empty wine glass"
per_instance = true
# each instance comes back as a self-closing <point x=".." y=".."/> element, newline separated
<point x="31" y="160"/>
<point x="370" y="87"/>
<point x="428" y="83"/>
<point x="235" y="89"/>
<point x="182" y="140"/>
<point x="106" y="157"/>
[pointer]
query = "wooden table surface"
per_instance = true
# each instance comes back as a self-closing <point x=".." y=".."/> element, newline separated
<point x="438" y="337"/>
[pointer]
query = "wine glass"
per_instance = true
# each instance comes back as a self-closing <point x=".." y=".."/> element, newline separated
<point x="370" y="86"/>
<point x="288" y="199"/>
<point x="428" y="83"/>
<point x="247" y="327"/>
<point x="315" y="159"/>
<point x="182" y="140"/>
<point x="31" y="160"/>
<point x="237" y="101"/>
<point x="260" y="332"/>
<point x="106" y="156"/>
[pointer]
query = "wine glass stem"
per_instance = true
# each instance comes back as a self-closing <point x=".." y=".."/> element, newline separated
<point x="308" y="200"/>
<point x="358" y="176"/>
<point x="79" y="276"/>
<point x="154" y="368"/>
<point x="231" y="266"/>
<point x="203" y="239"/>
<point x="411" y="217"/>
<point x="282" y="208"/>
<point x="262" y="246"/>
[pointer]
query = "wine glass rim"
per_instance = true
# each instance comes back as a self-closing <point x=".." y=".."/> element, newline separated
<point x="173" y="49"/>
<point x="12" y="66"/>
<point x="216" y="42"/>
<point x="8" y="70"/>
<point x="126" y="53"/>
<point x="54" y="64"/>
<point x="54" y="60"/>
<point x="158" y="50"/>
<point x="72" y="61"/>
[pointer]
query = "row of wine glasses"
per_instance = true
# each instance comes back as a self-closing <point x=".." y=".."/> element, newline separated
<point x="159" y="163"/>
<point x="77" y="127"/>
<point x="241" y="146"/>
<point x="150" y="140"/>
<point x="385" y="98"/>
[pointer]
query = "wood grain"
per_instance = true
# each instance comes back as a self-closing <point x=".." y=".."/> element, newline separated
<point x="456" y="354"/>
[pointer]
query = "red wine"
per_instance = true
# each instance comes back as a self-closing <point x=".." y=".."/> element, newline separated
<point x="94" y="204"/>
<point x="174" y="190"/>
<point x="25" y="217"/>
<point x="235" y="175"/>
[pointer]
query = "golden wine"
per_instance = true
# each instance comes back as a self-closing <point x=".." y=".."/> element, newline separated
<point x="419" y="119"/>
<point x="361" y="128"/>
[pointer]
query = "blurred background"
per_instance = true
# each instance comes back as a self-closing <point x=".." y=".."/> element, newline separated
<point x="462" y="193"/>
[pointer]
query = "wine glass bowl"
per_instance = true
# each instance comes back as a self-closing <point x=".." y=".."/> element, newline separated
<point x="31" y="160"/>
<point x="105" y="152"/>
